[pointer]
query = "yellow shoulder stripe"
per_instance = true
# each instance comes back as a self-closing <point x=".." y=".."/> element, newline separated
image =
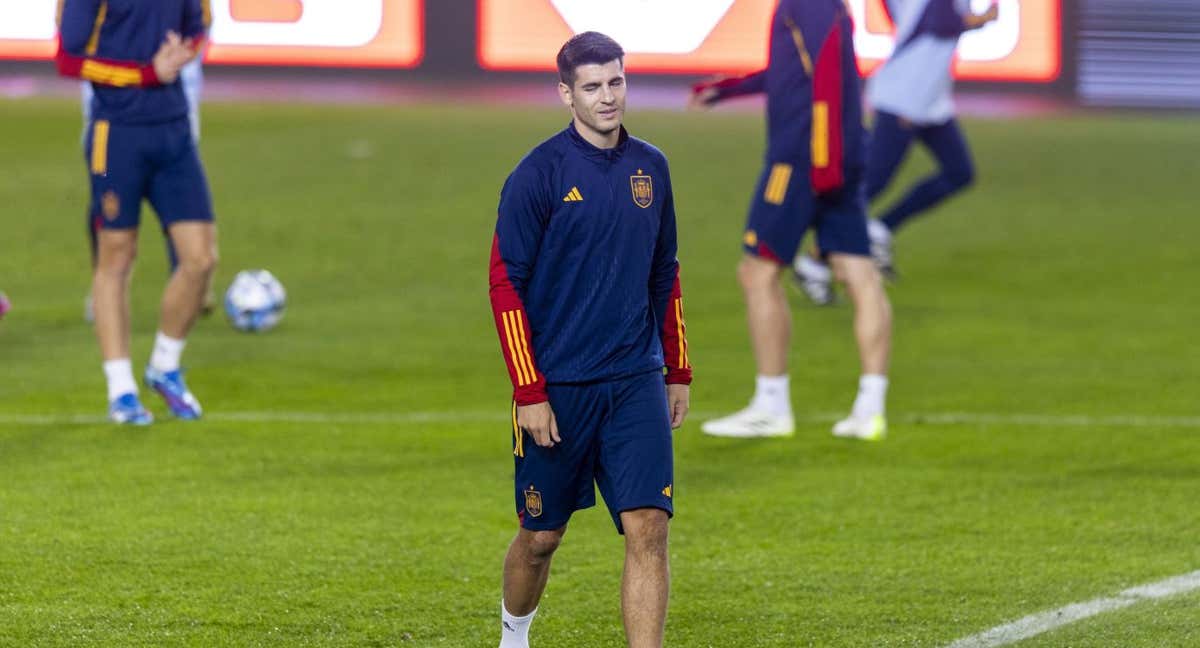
<point x="94" y="41"/>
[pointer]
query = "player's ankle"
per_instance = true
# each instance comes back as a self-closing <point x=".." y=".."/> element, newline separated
<point x="514" y="630"/>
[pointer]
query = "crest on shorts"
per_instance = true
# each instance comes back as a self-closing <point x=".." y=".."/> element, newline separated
<point x="643" y="189"/>
<point x="110" y="205"/>
<point x="533" y="502"/>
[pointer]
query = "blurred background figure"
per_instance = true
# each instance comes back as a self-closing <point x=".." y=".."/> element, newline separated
<point x="812" y="178"/>
<point x="140" y="146"/>
<point x="192" y="78"/>
<point x="912" y="96"/>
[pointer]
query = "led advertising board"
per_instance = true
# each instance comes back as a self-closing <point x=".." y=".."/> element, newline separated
<point x="340" y="33"/>
<point x="702" y="36"/>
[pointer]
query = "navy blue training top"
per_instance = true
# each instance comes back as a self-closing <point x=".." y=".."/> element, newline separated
<point x="112" y="44"/>
<point x="584" y="280"/>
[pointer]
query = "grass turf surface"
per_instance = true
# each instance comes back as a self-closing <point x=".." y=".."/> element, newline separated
<point x="1062" y="284"/>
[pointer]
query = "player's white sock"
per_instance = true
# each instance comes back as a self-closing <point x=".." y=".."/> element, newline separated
<point x="872" y="394"/>
<point x="514" y="630"/>
<point x="119" y="374"/>
<point x="772" y="395"/>
<point x="877" y="231"/>
<point x="166" y="352"/>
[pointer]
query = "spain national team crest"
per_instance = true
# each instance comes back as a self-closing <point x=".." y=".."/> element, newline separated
<point x="643" y="189"/>
<point x="110" y="204"/>
<point x="533" y="502"/>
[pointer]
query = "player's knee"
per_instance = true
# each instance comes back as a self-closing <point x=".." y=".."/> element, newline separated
<point x="541" y="545"/>
<point x="199" y="263"/>
<point x="754" y="272"/>
<point x="646" y="529"/>
<point x="116" y="256"/>
<point x="858" y="273"/>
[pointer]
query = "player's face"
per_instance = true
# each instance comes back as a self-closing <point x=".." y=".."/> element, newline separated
<point x="598" y="98"/>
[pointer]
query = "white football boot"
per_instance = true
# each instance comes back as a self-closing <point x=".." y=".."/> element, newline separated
<point x="814" y="278"/>
<point x="881" y="247"/>
<point x="867" y="429"/>
<point x="750" y="423"/>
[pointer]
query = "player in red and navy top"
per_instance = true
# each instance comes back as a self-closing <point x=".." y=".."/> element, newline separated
<point x="584" y="286"/>
<point x="813" y="177"/>
<point x="139" y="145"/>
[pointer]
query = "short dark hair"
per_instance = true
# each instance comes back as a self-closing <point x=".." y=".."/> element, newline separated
<point x="584" y="49"/>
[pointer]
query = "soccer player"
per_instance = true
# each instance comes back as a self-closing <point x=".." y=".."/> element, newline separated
<point x="584" y="286"/>
<point x="812" y="178"/>
<point x="913" y="98"/>
<point x="192" y="77"/>
<point x="140" y="146"/>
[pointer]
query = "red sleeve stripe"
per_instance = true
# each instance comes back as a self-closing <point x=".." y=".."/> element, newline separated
<point x="826" y="171"/>
<point x="105" y="71"/>
<point x="518" y="347"/>
<point x="512" y="327"/>
<point x="674" y="338"/>
<point x="681" y="331"/>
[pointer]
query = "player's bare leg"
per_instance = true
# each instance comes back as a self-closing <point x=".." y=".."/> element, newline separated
<point x="526" y="569"/>
<point x="767" y="313"/>
<point x="873" y="332"/>
<point x="196" y="246"/>
<point x="115" y="253"/>
<point x="872" y="310"/>
<point x="196" y="252"/>
<point x="770" y="323"/>
<point x="646" y="581"/>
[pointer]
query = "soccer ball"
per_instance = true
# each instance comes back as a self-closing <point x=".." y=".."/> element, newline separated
<point x="255" y="301"/>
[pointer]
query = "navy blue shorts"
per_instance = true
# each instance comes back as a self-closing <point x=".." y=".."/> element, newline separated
<point x="156" y="162"/>
<point x="615" y="434"/>
<point x="784" y="208"/>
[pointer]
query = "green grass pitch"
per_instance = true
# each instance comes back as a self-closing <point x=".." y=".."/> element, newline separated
<point x="352" y="484"/>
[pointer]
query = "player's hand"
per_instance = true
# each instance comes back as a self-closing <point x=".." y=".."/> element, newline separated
<point x="538" y="420"/>
<point x="704" y="94"/>
<point x="170" y="58"/>
<point x="678" y="402"/>
<point x="992" y="14"/>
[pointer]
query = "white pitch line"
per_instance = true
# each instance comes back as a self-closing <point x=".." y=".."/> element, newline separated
<point x="1036" y="624"/>
<point x="409" y="418"/>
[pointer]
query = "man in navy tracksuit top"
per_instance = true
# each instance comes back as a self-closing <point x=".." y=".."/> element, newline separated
<point x="139" y="145"/>
<point x="584" y="285"/>
<point x="812" y="177"/>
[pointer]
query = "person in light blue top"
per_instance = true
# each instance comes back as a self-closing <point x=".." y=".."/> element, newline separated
<point x="912" y="96"/>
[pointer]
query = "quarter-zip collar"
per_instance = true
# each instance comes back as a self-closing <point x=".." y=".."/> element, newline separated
<point x="593" y="152"/>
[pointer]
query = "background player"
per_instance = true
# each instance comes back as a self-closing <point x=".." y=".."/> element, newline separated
<point x="140" y="145"/>
<point x="812" y="178"/>
<point x="192" y="78"/>
<point x="584" y="286"/>
<point x="913" y="98"/>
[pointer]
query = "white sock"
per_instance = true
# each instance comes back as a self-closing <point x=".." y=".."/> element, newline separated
<point x="877" y="231"/>
<point x="119" y="374"/>
<point x="872" y="394"/>
<point x="771" y="394"/>
<point x="166" y="352"/>
<point x="514" y="630"/>
<point x="813" y="269"/>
